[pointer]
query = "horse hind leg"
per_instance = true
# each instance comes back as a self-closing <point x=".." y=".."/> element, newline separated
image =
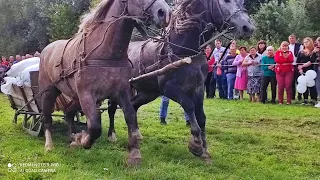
<point x="112" y="108"/>
<point x="139" y="100"/>
<point x="70" y="114"/>
<point x="48" y="101"/>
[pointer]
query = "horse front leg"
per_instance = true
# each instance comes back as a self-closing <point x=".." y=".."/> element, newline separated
<point x="48" y="100"/>
<point x="198" y="98"/>
<point x="133" y="132"/>
<point x="175" y="93"/>
<point x="88" y="105"/>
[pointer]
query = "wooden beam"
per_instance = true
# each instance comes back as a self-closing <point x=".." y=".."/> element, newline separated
<point x="163" y="70"/>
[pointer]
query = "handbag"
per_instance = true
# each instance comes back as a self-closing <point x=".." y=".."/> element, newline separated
<point x="219" y="71"/>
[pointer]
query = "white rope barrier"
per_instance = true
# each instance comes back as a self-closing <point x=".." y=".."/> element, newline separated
<point x="286" y="64"/>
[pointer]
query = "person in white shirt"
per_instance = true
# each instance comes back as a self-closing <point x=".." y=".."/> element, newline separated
<point x="218" y="75"/>
<point x="295" y="48"/>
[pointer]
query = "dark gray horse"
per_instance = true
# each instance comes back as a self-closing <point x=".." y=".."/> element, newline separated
<point x="94" y="66"/>
<point x="185" y="85"/>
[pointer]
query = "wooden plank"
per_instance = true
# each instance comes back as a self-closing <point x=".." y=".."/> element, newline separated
<point x="163" y="70"/>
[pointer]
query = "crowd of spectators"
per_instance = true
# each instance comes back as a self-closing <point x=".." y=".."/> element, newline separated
<point x="237" y="69"/>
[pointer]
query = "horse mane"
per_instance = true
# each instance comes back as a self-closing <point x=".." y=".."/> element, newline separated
<point x="183" y="17"/>
<point x="95" y="16"/>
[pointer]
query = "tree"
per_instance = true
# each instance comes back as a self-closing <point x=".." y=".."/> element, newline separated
<point x="64" y="18"/>
<point x="312" y="11"/>
<point x="63" y="21"/>
<point x="26" y="24"/>
<point x="271" y="22"/>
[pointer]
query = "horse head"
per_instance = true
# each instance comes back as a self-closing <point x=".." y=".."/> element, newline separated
<point x="230" y="14"/>
<point x="157" y="11"/>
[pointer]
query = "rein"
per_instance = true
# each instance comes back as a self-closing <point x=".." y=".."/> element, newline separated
<point x="227" y="19"/>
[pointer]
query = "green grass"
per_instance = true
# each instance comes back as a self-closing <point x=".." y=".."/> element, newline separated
<point x="247" y="141"/>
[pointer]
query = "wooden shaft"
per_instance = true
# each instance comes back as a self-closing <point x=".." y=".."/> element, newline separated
<point x="162" y="71"/>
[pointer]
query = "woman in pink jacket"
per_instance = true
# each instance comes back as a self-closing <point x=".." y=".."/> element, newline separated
<point x="241" y="75"/>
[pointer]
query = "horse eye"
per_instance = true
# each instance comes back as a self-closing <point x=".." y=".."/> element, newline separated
<point x="227" y="1"/>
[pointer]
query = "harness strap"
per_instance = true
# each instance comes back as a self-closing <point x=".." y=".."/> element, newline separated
<point x="149" y="5"/>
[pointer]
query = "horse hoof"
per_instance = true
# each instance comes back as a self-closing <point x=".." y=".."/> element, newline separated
<point x="195" y="148"/>
<point x="206" y="157"/>
<point x="113" y="137"/>
<point x="139" y="136"/>
<point x="134" y="158"/>
<point x="48" y="147"/>
<point x="74" y="144"/>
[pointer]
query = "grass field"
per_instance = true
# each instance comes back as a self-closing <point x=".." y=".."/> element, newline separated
<point x="247" y="141"/>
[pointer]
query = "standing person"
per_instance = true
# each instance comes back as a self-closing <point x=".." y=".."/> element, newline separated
<point x="242" y="74"/>
<point x="230" y="70"/>
<point x="210" y="86"/>
<point x="37" y="54"/>
<point x="252" y="62"/>
<point x="164" y="111"/>
<point x="11" y="60"/>
<point x="295" y="48"/>
<point x="262" y="48"/>
<point x="306" y="58"/>
<point x="269" y="76"/>
<point x="218" y="74"/>
<point x="18" y="59"/>
<point x="28" y="56"/>
<point x="234" y="44"/>
<point x="284" y="71"/>
<point x="4" y="61"/>
<point x="317" y="69"/>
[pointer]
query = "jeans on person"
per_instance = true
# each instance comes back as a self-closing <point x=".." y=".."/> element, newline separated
<point x="266" y="80"/>
<point x="222" y="85"/>
<point x="231" y="79"/>
<point x="284" y="80"/>
<point x="164" y="108"/>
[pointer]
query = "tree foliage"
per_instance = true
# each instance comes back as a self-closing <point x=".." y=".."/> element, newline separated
<point x="271" y="22"/>
<point x="29" y="25"/>
<point x="64" y="19"/>
<point x="276" y="22"/>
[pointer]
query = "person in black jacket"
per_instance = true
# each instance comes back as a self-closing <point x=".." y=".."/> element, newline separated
<point x="295" y="48"/>
<point x="304" y="60"/>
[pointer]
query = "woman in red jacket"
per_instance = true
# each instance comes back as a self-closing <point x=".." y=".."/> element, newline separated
<point x="210" y="82"/>
<point x="284" y="71"/>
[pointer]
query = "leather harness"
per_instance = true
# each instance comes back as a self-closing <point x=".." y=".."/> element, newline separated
<point x="82" y="61"/>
